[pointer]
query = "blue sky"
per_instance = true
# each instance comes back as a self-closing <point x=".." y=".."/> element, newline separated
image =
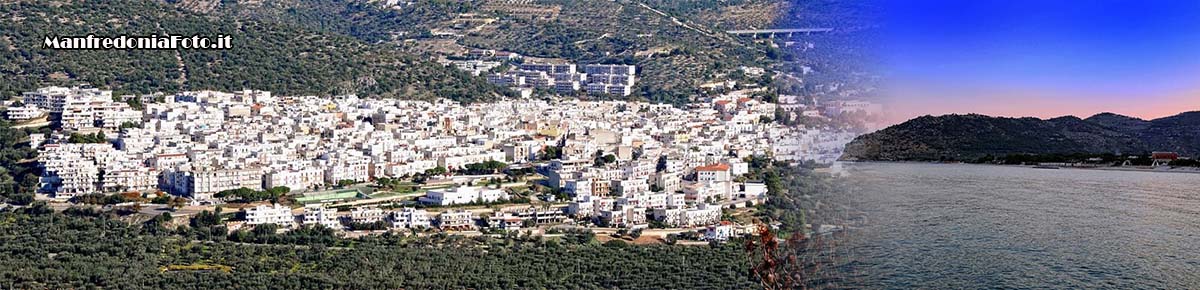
<point x="1041" y="58"/>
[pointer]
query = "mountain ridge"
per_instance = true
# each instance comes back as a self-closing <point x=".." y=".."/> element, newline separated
<point x="964" y="137"/>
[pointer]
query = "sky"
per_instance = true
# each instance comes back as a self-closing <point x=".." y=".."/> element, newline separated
<point x="1044" y="58"/>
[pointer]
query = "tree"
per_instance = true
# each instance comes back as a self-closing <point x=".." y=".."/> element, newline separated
<point x="88" y="138"/>
<point x="206" y="218"/>
<point x="603" y="159"/>
<point x="655" y="188"/>
<point x="127" y="125"/>
<point x="487" y="167"/>
<point x="177" y="202"/>
<point x="436" y="171"/>
<point x="383" y="182"/>
<point x="551" y="153"/>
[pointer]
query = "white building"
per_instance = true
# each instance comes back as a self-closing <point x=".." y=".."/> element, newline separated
<point x="25" y="112"/>
<point x="272" y="214"/>
<point x="201" y="184"/>
<point x="463" y="195"/>
<point x="456" y="220"/>
<point x="365" y="215"/>
<point x="138" y="178"/>
<point x="318" y="214"/>
<point x="704" y="214"/>
<point x="70" y="170"/>
<point x="713" y="173"/>
<point x="719" y="232"/>
<point x="54" y="99"/>
<point x="410" y="218"/>
<point x="296" y="177"/>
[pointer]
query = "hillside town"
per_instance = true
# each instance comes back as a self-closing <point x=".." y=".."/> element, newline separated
<point x="560" y="78"/>
<point x="351" y="163"/>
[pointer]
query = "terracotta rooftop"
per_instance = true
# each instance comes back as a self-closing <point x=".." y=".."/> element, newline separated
<point x="714" y="167"/>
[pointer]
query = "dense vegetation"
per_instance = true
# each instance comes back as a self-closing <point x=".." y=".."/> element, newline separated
<point x="970" y="137"/>
<point x="673" y="60"/>
<point x="352" y="46"/>
<point x="18" y="175"/>
<point x="84" y="249"/>
<point x="282" y="58"/>
<point x="95" y="138"/>
<point x="794" y="193"/>
<point x="249" y="195"/>
<point x="359" y="19"/>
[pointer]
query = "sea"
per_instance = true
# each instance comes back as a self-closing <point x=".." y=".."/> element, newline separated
<point x="962" y="226"/>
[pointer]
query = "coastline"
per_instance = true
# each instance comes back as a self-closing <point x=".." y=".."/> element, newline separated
<point x="1142" y="169"/>
<point x="1186" y="170"/>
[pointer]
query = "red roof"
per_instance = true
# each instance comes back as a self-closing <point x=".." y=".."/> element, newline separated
<point x="714" y="167"/>
<point x="1164" y="155"/>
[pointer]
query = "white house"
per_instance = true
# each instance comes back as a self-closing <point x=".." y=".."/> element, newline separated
<point x="720" y="232"/>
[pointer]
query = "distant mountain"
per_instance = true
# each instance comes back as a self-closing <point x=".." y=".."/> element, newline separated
<point x="968" y="137"/>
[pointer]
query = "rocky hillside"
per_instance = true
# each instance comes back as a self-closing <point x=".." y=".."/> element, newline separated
<point x="267" y="55"/>
<point x="677" y="45"/>
<point x="967" y="137"/>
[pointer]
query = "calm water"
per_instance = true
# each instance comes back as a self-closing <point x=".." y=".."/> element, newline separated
<point x="979" y="226"/>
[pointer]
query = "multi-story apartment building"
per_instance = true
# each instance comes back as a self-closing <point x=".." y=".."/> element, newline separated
<point x="410" y="218"/>
<point x="318" y="214"/>
<point x="270" y="214"/>
<point x="24" y="112"/>
<point x="630" y="187"/>
<point x="130" y="178"/>
<point x="201" y="184"/>
<point x="456" y="220"/>
<point x="73" y="169"/>
<point x="295" y="177"/>
<point x="549" y="68"/>
<point x="666" y="181"/>
<point x="54" y="99"/>
<point x="713" y="173"/>
<point x="703" y="214"/>
<point x="365" y="215"/>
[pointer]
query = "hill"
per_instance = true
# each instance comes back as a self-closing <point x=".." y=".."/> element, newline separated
<point x="677" y="45"/>
<point x="286" y="59"/>
<point x="968" y="137"/>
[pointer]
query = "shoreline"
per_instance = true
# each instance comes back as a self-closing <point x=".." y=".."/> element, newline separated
<point x="1186" y="170"/>
<point x="1138" y="169"/>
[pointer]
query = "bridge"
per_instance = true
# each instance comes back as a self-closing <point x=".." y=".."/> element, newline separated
<point x="771" y="33"/>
